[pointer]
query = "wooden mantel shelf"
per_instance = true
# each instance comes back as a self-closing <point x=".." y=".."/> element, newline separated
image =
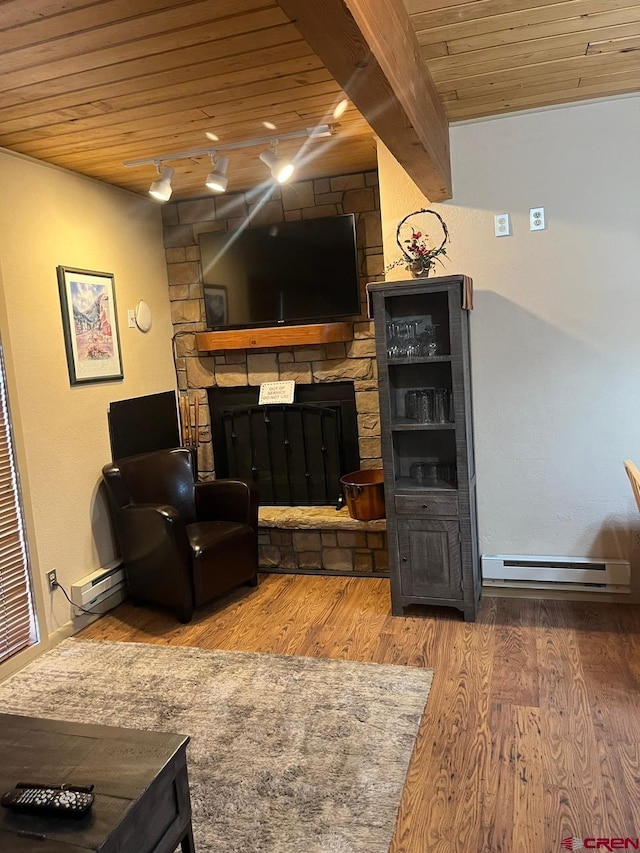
<point x="276" y="336"/>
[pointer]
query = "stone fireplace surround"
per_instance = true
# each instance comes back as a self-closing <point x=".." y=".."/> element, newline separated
<point x="291" y="539"/>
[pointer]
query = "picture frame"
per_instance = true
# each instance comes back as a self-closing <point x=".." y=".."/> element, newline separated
<point x="90" y="325"/>
<point x="215" y="305"/>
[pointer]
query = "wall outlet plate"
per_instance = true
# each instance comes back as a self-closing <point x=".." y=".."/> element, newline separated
<point x="536" y="219"/>
<point x="52" y="578"/>
<point x="502" y="225"/>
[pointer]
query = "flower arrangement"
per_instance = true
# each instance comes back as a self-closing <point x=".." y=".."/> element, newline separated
<point x="417" y="256"/>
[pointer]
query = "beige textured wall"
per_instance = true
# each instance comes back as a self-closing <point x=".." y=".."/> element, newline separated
<point x="50" y="217"/>
<point x="555" y="338"/>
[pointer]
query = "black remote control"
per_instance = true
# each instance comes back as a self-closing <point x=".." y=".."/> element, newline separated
<point x="63" y="801"/>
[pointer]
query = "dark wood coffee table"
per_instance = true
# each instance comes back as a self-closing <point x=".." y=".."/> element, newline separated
<point x="141" y="790"/>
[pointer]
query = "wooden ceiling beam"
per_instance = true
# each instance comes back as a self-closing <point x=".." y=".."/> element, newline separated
<point x="371" y="49"/>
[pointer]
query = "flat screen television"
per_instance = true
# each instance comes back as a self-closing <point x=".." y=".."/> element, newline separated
<point x="143" y="424"/>
<point x="290" y="272"/>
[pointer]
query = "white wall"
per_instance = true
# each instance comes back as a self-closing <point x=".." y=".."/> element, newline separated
<point x="49" y="217"/>
<point x="555" y="334"/>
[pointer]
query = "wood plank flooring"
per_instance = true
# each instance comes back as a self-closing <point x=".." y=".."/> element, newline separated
<point x="532" y="729"/>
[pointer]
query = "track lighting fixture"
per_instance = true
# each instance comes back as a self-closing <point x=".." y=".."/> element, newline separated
<point x="217" y="178"/>
<point x="161" y="189"/>
<point x="281" y="168"/>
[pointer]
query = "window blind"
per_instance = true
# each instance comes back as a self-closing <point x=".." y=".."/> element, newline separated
<point x="17" y="624"/>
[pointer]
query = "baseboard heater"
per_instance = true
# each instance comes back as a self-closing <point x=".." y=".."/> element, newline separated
<point x="101" y="590"/>
<point x="572" y="574"/>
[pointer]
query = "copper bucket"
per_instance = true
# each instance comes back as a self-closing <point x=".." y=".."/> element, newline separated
<point x="364" y="491"/>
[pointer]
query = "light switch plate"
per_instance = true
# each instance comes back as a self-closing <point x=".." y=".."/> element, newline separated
<point x="502" y="224"/>
<point x="131" y="318"/>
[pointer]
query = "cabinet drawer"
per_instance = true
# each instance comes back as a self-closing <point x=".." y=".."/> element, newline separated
<point x="427" y="505"/>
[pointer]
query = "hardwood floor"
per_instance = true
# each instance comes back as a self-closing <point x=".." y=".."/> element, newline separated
<point x="532" y="729"/>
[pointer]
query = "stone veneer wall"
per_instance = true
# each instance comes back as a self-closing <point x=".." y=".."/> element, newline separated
<point x="355" y="360"/>
<point x="306" y="550"/>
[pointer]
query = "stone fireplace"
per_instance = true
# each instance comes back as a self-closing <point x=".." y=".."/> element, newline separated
<point x="340" y="544"/>
<point x="295" y="454"/>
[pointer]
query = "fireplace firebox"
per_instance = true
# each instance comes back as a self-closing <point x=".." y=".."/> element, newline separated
<point x="295" y="453"/>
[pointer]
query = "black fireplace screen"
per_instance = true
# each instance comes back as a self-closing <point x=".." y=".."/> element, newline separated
<point x="295" y="453"/>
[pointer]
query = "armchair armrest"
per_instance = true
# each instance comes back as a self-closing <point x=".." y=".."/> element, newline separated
<point x="144" y="528"/>
<point x="157" y="555"/>
<point x="227" y="500"/>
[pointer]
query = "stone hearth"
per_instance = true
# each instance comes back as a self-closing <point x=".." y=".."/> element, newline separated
<point x="319" y="538"/>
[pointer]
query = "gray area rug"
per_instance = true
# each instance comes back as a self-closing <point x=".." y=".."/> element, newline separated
<point x="287" y="754"/>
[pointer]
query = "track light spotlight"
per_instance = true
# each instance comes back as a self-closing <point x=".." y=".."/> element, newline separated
<point x="161" y="189"/>
<point x="281" y="169"/>
<point x="217" y="178"/>
<point x="340" y="108"/>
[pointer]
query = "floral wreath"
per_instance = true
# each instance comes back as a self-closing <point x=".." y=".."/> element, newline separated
<point x="417" y="257"/>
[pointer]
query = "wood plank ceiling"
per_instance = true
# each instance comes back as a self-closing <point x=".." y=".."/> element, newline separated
<point x="89" y="85"/>
<point x="495" y="56"/>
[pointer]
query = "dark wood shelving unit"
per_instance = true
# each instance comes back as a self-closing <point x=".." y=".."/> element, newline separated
<point x="274" y="336"/>
<point x="431" y="527"/>
<point x="417" y="426"/>
<point x="427" y="359"/>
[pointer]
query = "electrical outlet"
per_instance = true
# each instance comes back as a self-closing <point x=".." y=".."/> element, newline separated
<point x="52" y="578"/>
<point x="635" y="539"/>
<point x="536" y="219"/>
<point x="501" y="225"/>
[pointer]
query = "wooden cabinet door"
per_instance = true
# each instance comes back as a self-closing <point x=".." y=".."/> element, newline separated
<point x="430" y="562"/>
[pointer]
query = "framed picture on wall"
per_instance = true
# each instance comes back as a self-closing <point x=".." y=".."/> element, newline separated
<point x="90" y="325"/>
<point x="215" y="305"/>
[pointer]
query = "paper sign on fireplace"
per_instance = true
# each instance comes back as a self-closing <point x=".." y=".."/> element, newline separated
<point x="276" y="392"/>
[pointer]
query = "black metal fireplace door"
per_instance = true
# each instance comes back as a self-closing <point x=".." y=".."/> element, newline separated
<point x="292" y="452"/>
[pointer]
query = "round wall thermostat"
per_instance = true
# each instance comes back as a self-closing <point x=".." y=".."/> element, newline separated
<point x="143" y="316"/>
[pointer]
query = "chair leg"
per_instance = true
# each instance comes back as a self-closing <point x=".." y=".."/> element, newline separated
<point x="184" y="614"/>
<point x="253" y="581"/>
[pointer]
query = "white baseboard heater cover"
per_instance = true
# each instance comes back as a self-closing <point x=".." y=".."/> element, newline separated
<point x="575" y="574"/>
<point x="101" y="590"/>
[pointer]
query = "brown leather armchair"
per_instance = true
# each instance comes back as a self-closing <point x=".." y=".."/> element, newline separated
<point x="183" y="543"/>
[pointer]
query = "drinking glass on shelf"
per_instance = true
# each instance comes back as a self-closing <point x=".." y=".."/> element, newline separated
<point x="390" y="339"/>
<point x="441" y="406"/>
<point x="425" y="406"/>
<point x="396" y="336"/>
<point x="411" y="339"/>
<point x="411" y="405"/>
<point x="406" y="336"/>
<point x="401" y="337"/>
<point x="447" y="474"/>
<point x="425" y="472"/>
